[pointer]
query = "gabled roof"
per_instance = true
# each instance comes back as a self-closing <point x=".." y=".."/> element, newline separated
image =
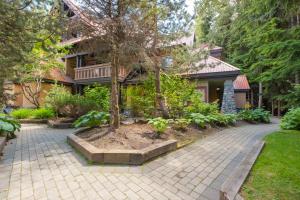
<point x="241" y="83"/>
<point x="211" y="67"/>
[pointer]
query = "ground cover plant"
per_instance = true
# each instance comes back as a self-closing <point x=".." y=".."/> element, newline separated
<point x="275" y="175"/>
<point x="8" y="126"/>
<point x="291" y="120"/>
<point x="26" y="113"/>
<point x="92" y="119"/>
<point x="256" y="115"/>
<point x="159" y="124"/>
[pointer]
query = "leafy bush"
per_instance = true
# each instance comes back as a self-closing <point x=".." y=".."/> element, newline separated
<point x="159" y="124"/>
<point x="257" y="115"/>
<point x="42" y="113"/>
<point x="291" y="120"/>
<point x="100" y="95"/>
<point x="92" y="119"/>
<point x="25" y="113"/>
<point x="22" y="113"/>
<point x="65" y="104"/>
<point x="181" y="124"/>
<point x="8" y="126"/>
<point x="199" y="119"/>
<point x="222" y="119"/>
<point x="181" y="97"/>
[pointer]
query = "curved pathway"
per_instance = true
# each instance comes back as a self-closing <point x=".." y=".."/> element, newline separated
<point x="39" y="164"/>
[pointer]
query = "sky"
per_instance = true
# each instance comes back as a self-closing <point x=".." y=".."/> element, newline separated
<point x="190" y="4"/>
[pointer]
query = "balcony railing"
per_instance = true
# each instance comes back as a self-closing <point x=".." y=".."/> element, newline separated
<point x="96" y="71"/>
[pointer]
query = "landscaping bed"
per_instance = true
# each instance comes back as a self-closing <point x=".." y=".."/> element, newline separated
<point x="133" y="143"/>
<point x="61" y="123"/>
<point x="2" y="144"/>
<point x="138" y="136"/>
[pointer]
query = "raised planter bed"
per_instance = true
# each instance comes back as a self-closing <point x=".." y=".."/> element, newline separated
<point x="60" y="123"/>
<point x="2" y="144"/>
<point x="120" y="156"/>
<point x="33" y="121"/>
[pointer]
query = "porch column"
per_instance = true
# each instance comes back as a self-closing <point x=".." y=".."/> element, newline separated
<point x="228" y="102"/>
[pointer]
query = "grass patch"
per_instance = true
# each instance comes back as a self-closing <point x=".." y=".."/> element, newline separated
<point x="26" y="113"/>
<point x="276" y="173"/>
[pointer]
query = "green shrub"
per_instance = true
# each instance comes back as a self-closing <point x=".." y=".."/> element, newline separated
<point x="42" y="113"/>
<point x="159" y="124"/>
<point x="100" y="95"/>
<point x="199" y="119"/>
<point x="222" y="119"/>
<point x="22" y="113"/>
<point x="181" y="124"/>
<point x="257" y="115"/>
<point x="291" y="120"/>
<point x="8" y="126"/>
<point x="92" y="119"/>
<point x="64" y="104"/>
<point x="25" y="113"/>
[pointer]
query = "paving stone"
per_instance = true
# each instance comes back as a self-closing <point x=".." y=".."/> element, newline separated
<point x="39" y="164"/>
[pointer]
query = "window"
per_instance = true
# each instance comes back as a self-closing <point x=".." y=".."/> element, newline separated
<point x="167" y="61"/>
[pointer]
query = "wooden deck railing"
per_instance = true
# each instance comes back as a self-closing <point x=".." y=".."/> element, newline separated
<point x="96" y="71"/>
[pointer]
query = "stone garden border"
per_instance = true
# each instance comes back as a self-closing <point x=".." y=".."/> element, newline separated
<point x="117" y="156"/>
<point x="59" y="125"/>
<point x="230" y="188"/>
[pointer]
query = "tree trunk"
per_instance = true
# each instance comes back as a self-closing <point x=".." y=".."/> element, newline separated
<point x="272" y="107"/>
<point x="160" y="101"/>
<point x="260" y="92"/>
<point x="115" y="116"/>
<point x="278" y="109"/>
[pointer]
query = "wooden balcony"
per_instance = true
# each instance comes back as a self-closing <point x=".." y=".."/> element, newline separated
<point x="96" y="72"/>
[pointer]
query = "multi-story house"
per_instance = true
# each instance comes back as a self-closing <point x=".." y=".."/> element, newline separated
<point x="216" y="79"/>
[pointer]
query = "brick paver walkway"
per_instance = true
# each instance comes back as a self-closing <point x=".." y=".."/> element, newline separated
<point x="39" y="164"/>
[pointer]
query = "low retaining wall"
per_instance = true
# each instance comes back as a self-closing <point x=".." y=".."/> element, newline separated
<point x="130" y="157"/>
<point x="60" y="125"/>
<point x="230" y="188"/>
<point x="2" y="144"/>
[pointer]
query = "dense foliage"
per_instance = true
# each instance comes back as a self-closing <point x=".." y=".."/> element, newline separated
<point x="257" y="115"/>
<point x="26" y="113"/>
<point x="261" y="37"/>
<point x="180" y="95"/>
<point x="92" y="119"/>
<point x="291" y="120"/>
<point x="8" y="126"/>
<point x="99" y="94"/>
<point x="23" y="24"/>
<point x="66" y="104"/>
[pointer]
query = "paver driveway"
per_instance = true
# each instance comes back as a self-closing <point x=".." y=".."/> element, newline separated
<point x="39" y="164"/>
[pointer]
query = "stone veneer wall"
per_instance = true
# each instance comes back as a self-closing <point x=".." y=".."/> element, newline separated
<point x="228" y="102"/>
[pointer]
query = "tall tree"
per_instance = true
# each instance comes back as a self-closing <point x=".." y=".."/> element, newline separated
<point x="21" y="23"/>
<point x="132" y="32"/>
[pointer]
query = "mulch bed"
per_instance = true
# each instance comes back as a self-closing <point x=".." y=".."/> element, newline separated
<point x="139" y="136"/>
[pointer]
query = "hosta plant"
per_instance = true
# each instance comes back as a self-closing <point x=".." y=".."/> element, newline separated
<point x="257" y="115"/>
<point x="92" y="119"/>
<point x="159" y="124"/>
<point x="222" y="119"/>
<point x="8" y="126"/>
<point x="199" y="119"/>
